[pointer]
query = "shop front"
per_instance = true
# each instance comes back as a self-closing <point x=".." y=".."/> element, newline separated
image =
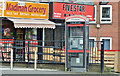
<point x="65" y="10"/>
<point x="23" y="22"/>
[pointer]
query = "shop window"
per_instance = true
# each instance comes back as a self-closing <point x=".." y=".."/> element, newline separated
<point x="7" y="33"/>
<point x="49" y="37"/>
<point x="91" y="41"/>
<point x="57" y="35"/>
<point x="107" y="43"/>
<point x="31" y="34"/>
<point x="95" y="15"/>
<point x="105" y="14"/>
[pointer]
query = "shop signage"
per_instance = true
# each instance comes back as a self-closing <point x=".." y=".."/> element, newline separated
<point x="26" y="10"/>
<point x="63" y="10"/>
<point x="1" y="8"/>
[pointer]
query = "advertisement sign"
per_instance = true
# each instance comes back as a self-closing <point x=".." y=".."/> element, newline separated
<point x="63" y="10"/>
<point x="26" y="10"/>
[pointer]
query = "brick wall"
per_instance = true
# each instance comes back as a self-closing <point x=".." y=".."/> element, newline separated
<point x="106" y="30"/>
<point x="119" y="27"/>
<point x="109" y="30"/>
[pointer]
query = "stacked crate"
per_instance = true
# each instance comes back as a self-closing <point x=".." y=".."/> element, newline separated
<point x="47" y="54"/>
<point x="59" y="56"/>
<point x="55" y="55"/>
<point x="31" y="54"/>
<point x="6" y="52"/>
<point x="109" y="57"/>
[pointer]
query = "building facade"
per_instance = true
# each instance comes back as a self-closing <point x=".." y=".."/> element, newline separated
<point x="105" y="26"/>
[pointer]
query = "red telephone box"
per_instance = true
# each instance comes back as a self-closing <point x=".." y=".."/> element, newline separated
<point x="76" y="43"/>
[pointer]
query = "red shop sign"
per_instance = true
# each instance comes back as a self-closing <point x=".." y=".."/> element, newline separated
<point x="63" y="10"/>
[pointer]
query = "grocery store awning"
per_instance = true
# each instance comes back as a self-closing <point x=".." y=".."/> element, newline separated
<point x="32" y="23"/>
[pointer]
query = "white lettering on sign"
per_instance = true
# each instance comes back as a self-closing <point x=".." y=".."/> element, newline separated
<point x="57" y="14"/>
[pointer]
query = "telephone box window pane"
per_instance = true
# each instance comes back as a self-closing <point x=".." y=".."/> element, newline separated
<point x="106" y="12"/>
<point x="76" y="38"/>
<point x="76" y="31"/>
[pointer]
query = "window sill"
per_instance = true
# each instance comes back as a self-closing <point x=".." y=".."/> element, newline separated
<point x="106" y="23"/>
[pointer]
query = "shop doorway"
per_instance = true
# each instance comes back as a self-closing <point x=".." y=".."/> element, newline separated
<point x="19" y="44"/>
<point x="20" y="34"/>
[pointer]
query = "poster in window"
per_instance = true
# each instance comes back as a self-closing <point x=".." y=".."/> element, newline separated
<point x="7" y="32"/>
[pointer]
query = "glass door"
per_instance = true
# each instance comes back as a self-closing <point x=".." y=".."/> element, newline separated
<point x="19" y="44"/>
<point x="19" y="34"/>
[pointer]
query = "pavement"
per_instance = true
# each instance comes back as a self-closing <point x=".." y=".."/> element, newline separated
<point x="31" y="71"/>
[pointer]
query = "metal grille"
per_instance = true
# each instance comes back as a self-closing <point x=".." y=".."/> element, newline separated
<point x="5" y="50"/>
<point x="24" y="51"/>
<point x="94" y="52"/>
